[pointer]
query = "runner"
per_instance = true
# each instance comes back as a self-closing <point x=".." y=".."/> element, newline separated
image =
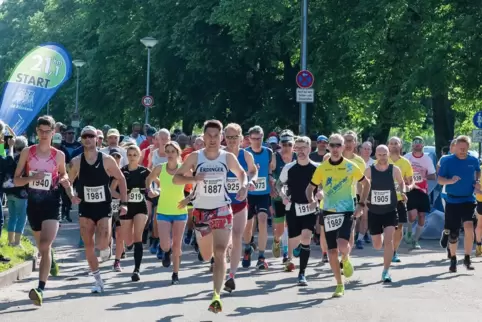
<point x="301" y="215"/>
<point x="280" y="159"/>
<point x="233" y="134"/>
<point x="92" y="171"/>
<point x="395" y="149"/>
<point x="158" y="156"/>
<point x="42" y="168"/>
<point x="171" y="208"/>
<point x="457" y="173"/>
<point x="212" y="211"/>
<point x="418" y="201"/>
<point x="136" y="217"/>
<point x="259" y="200"/>
<point x="382" y="205"/>
<point x="337" y="177"/>
<point x="116" y="224"/>
<point x="321" y="150"/>
<point x="113" y="137"/>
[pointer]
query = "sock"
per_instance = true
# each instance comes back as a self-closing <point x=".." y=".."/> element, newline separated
<point x="261" y="254"/>
<point x="385" y="271"/>
<point x="41" y="285"/>
<point x="284" y="240"/>
<point x="97" y="276"/>
<point x="137" y="256"/>
<point x="467" y="258"/>
<point x="418" y="232"/>
<point x="409" y="228"/>
<point x="231" y="275"/>
<point x="317" y="235"/>
<point x="360" y="236"/>
<point x="304" y="256"/>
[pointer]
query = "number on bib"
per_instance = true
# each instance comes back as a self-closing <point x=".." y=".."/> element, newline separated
<point x="333" y="222"/>
<point x="303" y="209"/>
<point x="380" y="197"/>
<point x="115" y="205"/>
<point x="135" y="195"/>
<point x="94" y="194"/>
<point x="233" y="185"/>
<point x="42" y="184"/>
<point x="417" y="177"/>
<point x="213" y="188"/>
<point x="260" y="184"/>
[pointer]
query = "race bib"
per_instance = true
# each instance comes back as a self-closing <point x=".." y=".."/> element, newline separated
<point x="417" y="177"/>
<point x="94" y="194"/>
<point x="135" y="195"/>
<point x="260" y="184"/>
<point x="115" y="205"/>
<point x="303" y="209"/>
<point x="233" y="185"/>
<point x="213" y="188"/>
<point x="42" y="184"/>
<point x="333" y="222"/>
<point x="380" y="197"/>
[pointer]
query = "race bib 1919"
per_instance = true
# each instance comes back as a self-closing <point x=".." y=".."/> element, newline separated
<point x="417" y="177"/>
<point x="333" y="222"/>
<point x="381" y="197"/>
<point x="94" y="194"/>
<point x="303" y="209"/>
<point x="261" y="184"/>
<point x="135" y="195"/>
<point x="233" y="185"/>
<point x="42" y="184"/>
<point x="213" y="187"/>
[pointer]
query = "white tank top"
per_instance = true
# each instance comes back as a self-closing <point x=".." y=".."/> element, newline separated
<point x="156" y="159"/>
<point x="212" y="192"/>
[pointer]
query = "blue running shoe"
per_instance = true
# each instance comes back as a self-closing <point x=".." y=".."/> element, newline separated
<point x="160" y="253"/>
<point x="367" y="238"/>
<point x="395" y="258"/>
<point x="386" y="278"/>
<point x="154" y="246"/>
<point x="302" y="280"/>
<point x="359" y="244"/>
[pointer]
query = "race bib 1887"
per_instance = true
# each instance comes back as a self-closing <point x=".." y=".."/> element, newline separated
<point x="333" y="222"/>
<point x="213" y="188"/>
<point x="94" y="194"/>
<point x="42" y="184"/>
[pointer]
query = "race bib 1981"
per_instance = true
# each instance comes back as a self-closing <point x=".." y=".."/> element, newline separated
<point x="233" y="185"/>
<point x="94" y="194"/>
<point x="303" y="209"/>
<point x="42" y="184"/>
<point x="417" y="177"/>
<point x="261" y="184"/>
<point x="135" y="195"/>
<point x="213" y="188"/>
<point x="380" y="197"/>
<point x="333" y="222"/>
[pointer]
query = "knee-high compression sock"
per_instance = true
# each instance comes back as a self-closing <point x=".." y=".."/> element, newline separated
<point x="137" y="255"/>
<point x="304" y="256"/>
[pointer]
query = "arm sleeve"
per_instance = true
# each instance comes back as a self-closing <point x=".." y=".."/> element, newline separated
<point x="283" y="177"/>
<point x="3" y="153"/>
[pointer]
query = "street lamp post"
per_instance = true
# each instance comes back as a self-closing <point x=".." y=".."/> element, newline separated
<point x="149" y="42"/>
<point x="78" y="63"/>
<point x="304" y="52"/>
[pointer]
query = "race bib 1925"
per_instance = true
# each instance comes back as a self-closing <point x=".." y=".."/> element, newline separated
<point x="333" y="222"/>
<point x="135" y="195"/>
<point x="94" y="194"/>
<point x="42" y="184"/>
<point x="380" y="197"/>
<point x="260" y="184"/>
<point x="233" y="185"/>
<point x="303" y="209"/>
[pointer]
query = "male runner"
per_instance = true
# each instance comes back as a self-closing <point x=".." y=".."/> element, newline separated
<point x="460" y="173"/>
<point x="42" y="168"/>
<point x="395" y="149"/>
<point x="382" y="205"/>
<point x="259" y="200"/>
<point x="301" y="216"/>
<point x="418" y="203"/>
<point x="321" y="149"/>
<point x="92" y="171"/>
<point x="337" y="176"/>
<point x="210" y="198"/>
<point x="113" y="136"/>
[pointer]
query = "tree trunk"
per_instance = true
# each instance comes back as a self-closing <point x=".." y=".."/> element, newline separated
<point x="443" y="121"/>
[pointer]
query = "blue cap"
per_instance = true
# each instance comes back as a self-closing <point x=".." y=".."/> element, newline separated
<point x="322" y="138"/>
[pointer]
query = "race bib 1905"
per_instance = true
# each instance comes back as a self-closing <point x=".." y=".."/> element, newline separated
<point x="94" y="194"/>
<point x="233" y="185"/>
<point x="380" y="197"/>
<point x="135" y="195"/>
<point x="42" y="184"/>
<point x="303" y="209"/>
<point x="261" y="184"/>
<point x="417" y="177"/>
<point x="333" y="222"/>
<point x="213" y="187"/>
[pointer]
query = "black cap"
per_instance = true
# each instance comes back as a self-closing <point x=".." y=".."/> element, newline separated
<point x="151" y="131"/>
<point x="114" y="151"/>
<point x="70" y="129"/>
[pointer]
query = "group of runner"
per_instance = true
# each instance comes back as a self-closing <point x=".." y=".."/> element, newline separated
<point x="226" y="193"/>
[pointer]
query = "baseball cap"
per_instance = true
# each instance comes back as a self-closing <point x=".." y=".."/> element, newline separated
<point x="57" y="139"/>
<point x="287" y="136"/>
<point x="321" y="138"/>
<point x="418" y="138"/>
<point x="273" y="134"/>
<point x="100" y="134"/>
<point x="151" y="131"/>
<point x="273" y="139"/>
<point x="113" y="132"/>
<point x="88" y="128"/>
<point x="70" y="129"/>
<point x="114" y="151"/>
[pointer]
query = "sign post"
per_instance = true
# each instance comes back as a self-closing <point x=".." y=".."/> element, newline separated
<point x="304" y="94"/>
<point x="477" y="134"/>
<point x="147" y="101"/>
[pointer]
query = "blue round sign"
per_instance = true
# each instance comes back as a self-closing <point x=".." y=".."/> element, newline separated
<point x="478" y="119"/>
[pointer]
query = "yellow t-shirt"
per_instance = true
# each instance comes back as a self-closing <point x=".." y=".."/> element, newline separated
<point x="405" y="167"/>
<point x="338" y="181"/>
<point x="358" y="160"/>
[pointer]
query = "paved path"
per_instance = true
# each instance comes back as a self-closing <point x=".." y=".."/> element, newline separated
<point x="423" y="290"/>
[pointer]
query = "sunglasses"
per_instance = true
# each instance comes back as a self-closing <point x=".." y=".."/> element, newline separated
<point x="335" y="145"/>
<point x="88" y="136"/>
<point x="234" y="137"/>
<point x="417" y="142"/>
<point x="255" y="139"/>
<point x="321" y="142"/>
<point x="287" y="145"/>
<point x="132" y="155"/>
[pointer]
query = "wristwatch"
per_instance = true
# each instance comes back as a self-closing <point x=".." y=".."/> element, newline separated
<point x="123" y="203"/>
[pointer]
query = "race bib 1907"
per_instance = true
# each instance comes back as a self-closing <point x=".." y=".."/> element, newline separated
<point x="380" y="197"/>
<point x="333" y="222"/>
<point x="94" y="194"/>
<point x="261" y="184"/>
<point x="135" y="195"/>
<point x="213" y="187"/>
<point x="303" y="209"/>
<point x="42" y="184"/>
<point x="417" y="177"/>
<point x="233" y="185"/>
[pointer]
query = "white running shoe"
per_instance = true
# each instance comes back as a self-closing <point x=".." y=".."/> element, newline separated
<point x="105" y="254"/>
<point x="98" y="288"/>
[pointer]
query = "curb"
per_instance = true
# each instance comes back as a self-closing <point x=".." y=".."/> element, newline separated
<point x="17" y="273"/>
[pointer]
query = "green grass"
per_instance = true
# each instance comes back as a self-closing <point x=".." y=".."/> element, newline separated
<point x="16" y="255"/>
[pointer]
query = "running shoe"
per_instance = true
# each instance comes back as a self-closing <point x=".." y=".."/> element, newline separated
<point x="386" y="278"/>
<point x="347" y="268"/>
<point x="129" y="247"/>
<point x="154" y="246"/>
<point x="289" y="266"/>
<point x="117" y="266"/>
<point x="229" y="285"/>
<point x="54" y="267"/>
<point x="395" y="258"/>
<point x="136" y="277"/>
<point x="325" y="258"/>
<point x="105" y="254"/>
<point x="97" y="288"/>
<point x="246" y="262"/>
<point x="468" y="263"/>
<point x="200" y="257"/>
<point x="174" y="279"/>
<point x="188" y="237"/>
<point x="216" y="306"/>
<point x="339" y="291"/>
<point x="276" y="248"/>
<point x="262" y="264"/>
<point x="285" y="258"/>
<point x="478" y="250"/>
<point x="302" y="280"/>
<point x="359" y="244"/>
<point x="160" y="253"/>
<point x="367" y="239"/>
<point x="123" y="255"/>
<point x="166" y="260"/>
<point x="444" y="238"/>
<point x="297" y="251"/>
<point x="37" y="296"/>
<point x="416" y="245"/>
<point x="453" y="265"/>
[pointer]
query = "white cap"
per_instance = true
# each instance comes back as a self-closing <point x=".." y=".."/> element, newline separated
<point x="57" y="139"/>
<point x="273" y="139"/>
<point x="88" y="128"/>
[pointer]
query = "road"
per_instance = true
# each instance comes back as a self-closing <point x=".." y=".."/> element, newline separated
<point x="422" y="290"/>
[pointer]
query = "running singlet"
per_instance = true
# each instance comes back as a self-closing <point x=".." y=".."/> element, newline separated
<point x="406" y="168"/>
<point x="338" y="180"/>
<point x="136" y="184"/>
<point x="422" y="167"/>
<point x="212" y="192"/>
<point x="170" y="194"/>
<point x="92" y="184"/>
<point x="232" y="182"/>
<point x="46" y="189"/>
<point x="279" y="166"/>
<point x="358" y="160"/>
<point x="262" y="159"/>
<point x="156" y="159"/>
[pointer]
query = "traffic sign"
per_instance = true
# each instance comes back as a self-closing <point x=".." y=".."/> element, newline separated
<point x="147" y="101"/>
<point x="478" y="119"/>
<point x="304" y="79"/>
<point x="477" y="135"/>
<point x="305" y="95"/>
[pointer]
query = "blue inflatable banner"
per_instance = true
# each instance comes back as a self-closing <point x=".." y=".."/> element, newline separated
<point x="36" y="78"/>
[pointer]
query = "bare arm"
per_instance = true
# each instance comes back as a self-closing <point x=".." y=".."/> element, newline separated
<point x="368" y="173"/>
<point x="281" y="183"/>
<point x="399" y="179"/>
<point x="273" y="162"/>
<point x="365" y="189"/>
<point x="113" y="189"/>
<point x="153" y="176"/>
<point x="113" y="171"/>
<point x="235" y="167"/>
<point x="18" y="180"/>
<point x="181" y="178"/>
<point x="252" y="168"/>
